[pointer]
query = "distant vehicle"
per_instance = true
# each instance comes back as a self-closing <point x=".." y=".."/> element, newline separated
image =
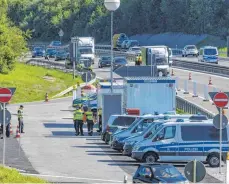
<point x="38" y="51"/>
<point x="135" y="50"/>
<point x="132" y="43"/>
<point x="158" y="173"/>
<point x="86" y="48"/>
<point x="118" y="39"/>
<point x="175" y="137"/>
<point x="190" y="50"/>
<point x="104" y="61"/>
<point x="208" y="54"/>
<point x="119" y="61"/>
<point x="50" y="53"/>
<point x="123" y="45"/>
<point x="61" y="55"/>
<point x="116" y="122"/>
<point x="55" y="44"/>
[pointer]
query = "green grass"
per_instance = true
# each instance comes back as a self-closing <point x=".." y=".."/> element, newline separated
<point x="223" y="52"/>
<point x="179" y="111"/>
<point x="30" y="84"/>
<point x="13" y="176"/>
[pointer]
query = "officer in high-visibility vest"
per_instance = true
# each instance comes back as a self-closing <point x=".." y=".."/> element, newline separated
<point x="100" y="120"/>
<point x="20" y="119"/>
<point x="78" y="121"/>
<point x="90" y="122"/>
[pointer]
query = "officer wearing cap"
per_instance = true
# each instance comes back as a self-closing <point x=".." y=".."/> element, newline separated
<point x="20" y="119"/>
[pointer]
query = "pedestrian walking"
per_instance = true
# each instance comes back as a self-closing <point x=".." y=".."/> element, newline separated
<point x="90" y="123"/>
<point x="20" y="119"/>
<point x="78" y="116"/>
<point x="100" y="120"/>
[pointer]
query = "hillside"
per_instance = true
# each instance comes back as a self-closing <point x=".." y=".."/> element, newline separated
<point x="89" y="17"/>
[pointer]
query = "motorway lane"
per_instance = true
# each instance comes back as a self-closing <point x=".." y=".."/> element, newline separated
<point x="222" y="62"/>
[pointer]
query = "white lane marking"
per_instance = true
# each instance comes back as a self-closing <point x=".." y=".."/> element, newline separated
<point x="71" y="177"/>
<point x="184" y="70"/>
<point x="5" y="95"/>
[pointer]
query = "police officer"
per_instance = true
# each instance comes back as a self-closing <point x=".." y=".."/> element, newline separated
<point x="78" y="116"/>
<point x="90" y="122"/>
<point x="100" y="120"/>
<point x="20" y="119"/>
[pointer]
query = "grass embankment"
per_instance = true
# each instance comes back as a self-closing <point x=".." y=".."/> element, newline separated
<point x="223" y="52"/>
<point x="13" y="176"/>
<point x="32" y="82"/>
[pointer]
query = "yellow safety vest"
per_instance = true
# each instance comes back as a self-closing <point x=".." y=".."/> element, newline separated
<point x="78" y="115"/>
<point x="20" y="113"/>
<point x="89" y="115"/>
<point x="100" y="112"/>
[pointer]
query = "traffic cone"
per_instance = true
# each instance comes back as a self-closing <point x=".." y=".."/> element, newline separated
<point x="172" y="73"/>
<point x="11" y="130"/>
<point x="190" y="76"/>
<point x="46" y="97"/>
<point x="210" y="81"/>
<point x="18" y="133"/>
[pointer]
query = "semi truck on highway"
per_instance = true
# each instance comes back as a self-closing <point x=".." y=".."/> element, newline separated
<point x="86" y="48"/>
<point x="161" y="58"/>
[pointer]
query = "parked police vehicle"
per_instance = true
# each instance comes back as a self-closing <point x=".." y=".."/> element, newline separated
<point x="183" y="142"/>
<point x="208" y="54"/>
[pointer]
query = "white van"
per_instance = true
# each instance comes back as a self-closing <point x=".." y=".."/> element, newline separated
<point x="208" y="54"/>
<point x="183" y="142"/>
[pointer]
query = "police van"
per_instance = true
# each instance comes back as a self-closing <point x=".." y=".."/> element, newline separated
<point x="208" y="54"/>
<point x="137" y="127"/>
<point x="183" y="142"/>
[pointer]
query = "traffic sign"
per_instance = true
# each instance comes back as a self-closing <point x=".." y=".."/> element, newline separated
<point x="87" y="76"/>
<point x="195" y="171"/>
<point x="216" y="121"/>
<point x="5" y="95"/>
<point x="7" y="117"/>
<point x="61" y="33"/>
<point x="220" y="99"/>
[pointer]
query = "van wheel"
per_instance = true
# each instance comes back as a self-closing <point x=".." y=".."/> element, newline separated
<point x="150" y="157"/>
<point x="213" y="160"/>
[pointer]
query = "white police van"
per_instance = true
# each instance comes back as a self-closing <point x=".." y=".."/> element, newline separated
<point x="208" y="54"/>
<point x="183" y="142"/>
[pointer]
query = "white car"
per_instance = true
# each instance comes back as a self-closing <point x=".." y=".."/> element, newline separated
<point x="190" y="50"/>
<point x="134" y="50"/>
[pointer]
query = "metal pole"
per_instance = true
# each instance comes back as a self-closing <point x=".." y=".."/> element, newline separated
<point x="74" y="58"/>
<point x="112" y="14"/>
<point x="194" y="171"/>
<point x="4" y="134"/>
<point x="220" y="140"/>
<point x="151" y="63"/>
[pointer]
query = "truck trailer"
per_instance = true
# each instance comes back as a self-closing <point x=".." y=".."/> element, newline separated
<point x="86" y="48"/>
<point x="161" y="61"/>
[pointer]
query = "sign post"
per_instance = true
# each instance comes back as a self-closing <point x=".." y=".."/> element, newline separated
<point x="61" y="34"/>
<point x="220" y="100"/>
<point x="5" y="96"/>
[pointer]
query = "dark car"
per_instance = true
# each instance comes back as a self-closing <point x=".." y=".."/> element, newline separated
<point x="61" y="55"/>
<point x="38" y="52"/>
<point x="119" y="61"/>
<point x="50" y="53"/>
<point x="158" y="173"/>
<point x="104" y="61"/>
<point x="55" y="43"/>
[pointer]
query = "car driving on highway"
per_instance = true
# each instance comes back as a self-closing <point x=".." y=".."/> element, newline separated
<point x="55" y="44"/>
<point x="208" y="54"/>
<point x="61" y="55"/>
<point x="104" y="61"/>
<point x="119" y="61"/>
<point x="50" y="53"/>
<point x="38" y="52"/>
<point x="158" y="173"/>
<point x="190" y="50"/>
<point x="134" y="50"/>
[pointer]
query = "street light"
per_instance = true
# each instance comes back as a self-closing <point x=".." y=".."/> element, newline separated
<point x="112" y="5"/>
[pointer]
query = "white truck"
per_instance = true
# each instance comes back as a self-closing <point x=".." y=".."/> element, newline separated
<point x="86" y="48"/>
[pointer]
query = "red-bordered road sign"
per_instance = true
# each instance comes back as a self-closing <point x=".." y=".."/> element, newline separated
<point x="5" y="95"/>
<point x="220" y="99"/>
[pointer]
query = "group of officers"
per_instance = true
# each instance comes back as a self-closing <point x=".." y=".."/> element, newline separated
<point x="84" y="115"/>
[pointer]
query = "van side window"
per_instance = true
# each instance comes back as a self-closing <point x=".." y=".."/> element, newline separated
<point x="202" y="133"/>
<point x="166" y="133"/>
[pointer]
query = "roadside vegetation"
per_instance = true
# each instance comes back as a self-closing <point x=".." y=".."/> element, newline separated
<point x="13" y="176"/>
<point x="32" y="82"/>
<point x="223" y="52"/>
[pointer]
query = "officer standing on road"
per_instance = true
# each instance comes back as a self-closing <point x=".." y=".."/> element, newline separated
<point x="90" y="122"/>
<point x="20" y="119"/>
<point x="100" y="120"/>
<point x="78" y="116"/>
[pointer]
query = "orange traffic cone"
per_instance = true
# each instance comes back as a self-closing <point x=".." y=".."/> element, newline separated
<point x="210" y="81"/>
<point x="172" y="73"/>
<point x="11" y="130"/>
<point x="190" y="76"/>
<point x="17" y="132"/>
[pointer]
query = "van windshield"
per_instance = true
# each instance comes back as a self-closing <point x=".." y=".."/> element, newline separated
<point x="123" y="121"/>
<point x="210" y="52"/>
<point x="134" y="123"/>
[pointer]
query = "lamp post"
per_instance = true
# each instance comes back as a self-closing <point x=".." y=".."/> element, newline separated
<point x="112" y="5"/>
